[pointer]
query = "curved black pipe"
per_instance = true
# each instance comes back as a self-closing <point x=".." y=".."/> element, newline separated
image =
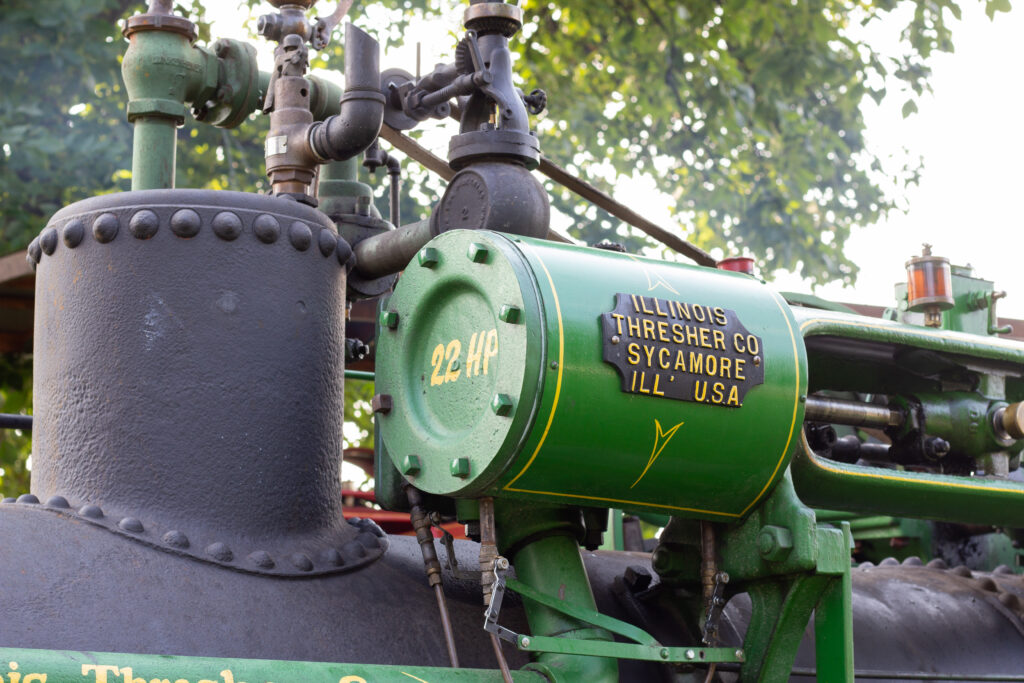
<point x="357" y="125"/>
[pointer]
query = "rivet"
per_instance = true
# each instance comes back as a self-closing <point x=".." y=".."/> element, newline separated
<point x="389" y="319"/>
<point x="131" y="524"/>
<point x="48" y="240"/>
<point x="185" y="223"/>
<point x="344" y="252"/>
<point x="478" y="253"/>
<point x="428" y="257"/>
<point x="143" y="224"/>
<point x="91" y="511"/>
<point x="58" y="502"/>
<point x="757" y="360"/>
<point x="267" y="228"/>
<point x="525" y="641"/>
<point x="332" y="557"/>
<point x="554" y="365"/>
<point x="411" y="465"/>
<point x="501" y="404"/>
<point x="105" y="228"/>
<point x="262" y="559"/>
<point x="985" y="583"/>
<point x="663" y="653"/>
<point x="937" y="563"/>
<point x="73" y="232"/>
<point x="739" y="654"/>
<point x="510" y="314"/>
<point x="889" y="562"/>
<point x="913" y="561"/>
<point x="353" y="549"/>
<point x="31" y="263"/>
<point x="690" y="654"/>
<point x="176" y="539"/>
<point x="28" y="498"/>
<point x="9" y="500"/>
<point x="616" y="339"/>
<point x="1002" y="569"/>
<point x="369" y="540"/>
<point x="300" y="235"/>
<point x="220" y="552"/>
<point x="35" y="252"/>
<point x="459" y="467"/>
<point x="327" y="242"/>
<point x="227" y="226"/>
<point x="381" y="403"/>
<point x="961" y="570"/>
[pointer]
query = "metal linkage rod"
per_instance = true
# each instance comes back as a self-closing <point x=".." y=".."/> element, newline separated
<point x="852" y="413"/>
<point x="22" y="422"/>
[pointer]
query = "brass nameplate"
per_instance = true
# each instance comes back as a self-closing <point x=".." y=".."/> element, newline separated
<point x="680" y="350"/>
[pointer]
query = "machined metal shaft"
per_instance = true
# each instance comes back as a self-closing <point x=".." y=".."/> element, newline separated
<point x="852" y="413"/>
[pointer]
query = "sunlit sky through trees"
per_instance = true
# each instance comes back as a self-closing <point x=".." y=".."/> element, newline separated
<point x="967" y="132"/>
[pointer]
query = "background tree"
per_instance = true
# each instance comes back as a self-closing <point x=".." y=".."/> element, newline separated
<point x="745" y="112"/>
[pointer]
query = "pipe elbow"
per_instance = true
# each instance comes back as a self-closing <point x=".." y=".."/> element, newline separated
<point x="352" y="130"/>
<point x="358" y="122"/>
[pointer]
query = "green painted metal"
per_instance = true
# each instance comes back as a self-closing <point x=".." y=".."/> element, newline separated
<point x="552" y="565"/>
<point x="360" y="375"/>
<point x="833" y="625"/>
<point x="974" y="309"/>
<point x="984" y="500"/>
<point x="651" y="653"/>
<point x="819" y="322"/>
<point x="62" y="666"/>
<point x="162" y="71"/>
<point x="574" y="435"/>
<point x="972" y="500"/>
<point x="646" y="647"/>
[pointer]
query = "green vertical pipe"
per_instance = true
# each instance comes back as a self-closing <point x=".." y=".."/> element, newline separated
<point x="552" y="565"/>
<point x="153" y="153"/>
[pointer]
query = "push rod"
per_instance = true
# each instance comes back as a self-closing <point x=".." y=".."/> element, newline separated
<point x="852" y="413"/>
<point x="22" y="422"/>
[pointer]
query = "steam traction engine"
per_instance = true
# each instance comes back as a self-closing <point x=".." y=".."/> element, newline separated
<point x="185" y="516"/>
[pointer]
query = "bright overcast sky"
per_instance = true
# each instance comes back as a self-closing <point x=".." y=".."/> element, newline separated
<point x="968" y="131"/>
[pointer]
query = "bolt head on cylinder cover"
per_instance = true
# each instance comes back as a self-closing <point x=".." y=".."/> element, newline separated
<point x="451" y="356"/>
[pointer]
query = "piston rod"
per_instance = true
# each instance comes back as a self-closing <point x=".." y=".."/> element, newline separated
<point x="852" y="413"/>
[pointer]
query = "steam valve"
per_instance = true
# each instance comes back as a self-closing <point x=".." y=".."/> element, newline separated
<point x="929" y="286"/>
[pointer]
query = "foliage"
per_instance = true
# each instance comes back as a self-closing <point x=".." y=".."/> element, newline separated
<point x="746" y="111"/>
<point x="15" y="446"/>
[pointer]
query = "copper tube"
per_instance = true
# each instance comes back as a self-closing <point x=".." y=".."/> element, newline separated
<point x="446" y="626"/>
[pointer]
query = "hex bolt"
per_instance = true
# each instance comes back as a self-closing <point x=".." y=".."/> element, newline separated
<point x="478" y="253"/>
<point x="459" y="467"/>
<point x="381" y="403"/>
<point x="739" y="655"/>
<point x="428" y="257"/>
<point x="363" y="205"/>
<point x="411" y="465"/>
<point x="501" y="404"/>
<point x="664" y="653"/>
<point x="774" y="543"/>
<point x="389" y="319"/>
<point x="525" y="641"/>
<point x="510" y="314"/>
<point x="690" y="654"/>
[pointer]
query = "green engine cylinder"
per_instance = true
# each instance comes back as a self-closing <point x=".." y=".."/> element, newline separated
<point x="529" y="369"/>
